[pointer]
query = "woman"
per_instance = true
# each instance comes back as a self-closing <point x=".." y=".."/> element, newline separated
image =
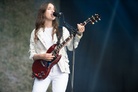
<point x="44" y="36"/>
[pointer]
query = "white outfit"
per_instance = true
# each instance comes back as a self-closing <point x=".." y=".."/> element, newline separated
<point x="59" y="72"/>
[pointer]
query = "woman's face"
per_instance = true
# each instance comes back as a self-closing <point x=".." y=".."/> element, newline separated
<point x="49" y="12"/>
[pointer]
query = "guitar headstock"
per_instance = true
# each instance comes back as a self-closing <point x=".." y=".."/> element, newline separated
<point x="92" y="19"/>
<point x="95" y="18"/>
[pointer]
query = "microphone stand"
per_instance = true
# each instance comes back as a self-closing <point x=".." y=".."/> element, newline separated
<point x="74" y="32"/>
<point x="73" y="64"/>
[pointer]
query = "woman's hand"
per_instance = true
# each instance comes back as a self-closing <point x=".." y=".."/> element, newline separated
<point x="81" y="28"/>
<point x="47" y="56"/>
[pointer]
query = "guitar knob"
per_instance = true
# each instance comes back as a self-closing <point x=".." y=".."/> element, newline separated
<point x="39" y="75"/>
<point x="42" y="73"/>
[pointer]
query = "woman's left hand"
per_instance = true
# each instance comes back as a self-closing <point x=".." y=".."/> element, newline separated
<point x="81" y="28"/>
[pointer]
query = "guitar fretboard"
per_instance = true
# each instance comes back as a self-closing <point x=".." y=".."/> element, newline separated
<point x="64" y="42"/>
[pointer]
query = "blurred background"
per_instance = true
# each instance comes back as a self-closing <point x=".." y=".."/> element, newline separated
<point x="106" y="59"/>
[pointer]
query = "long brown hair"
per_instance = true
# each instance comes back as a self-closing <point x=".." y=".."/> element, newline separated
<point x="40" y="20"/>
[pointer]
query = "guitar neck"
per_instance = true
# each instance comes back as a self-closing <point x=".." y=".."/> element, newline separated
<point x="64" y="42"/>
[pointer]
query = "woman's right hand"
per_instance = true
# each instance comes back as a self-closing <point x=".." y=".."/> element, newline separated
<point x="47" y="56"/>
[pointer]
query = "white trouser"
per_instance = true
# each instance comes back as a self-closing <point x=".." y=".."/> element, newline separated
<point x="59" y="81"/>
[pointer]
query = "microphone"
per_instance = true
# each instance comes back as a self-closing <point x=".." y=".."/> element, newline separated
<point x="57" y="14"/>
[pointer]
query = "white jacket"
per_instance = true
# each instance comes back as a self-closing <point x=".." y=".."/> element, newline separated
<point x="40" y="47"/>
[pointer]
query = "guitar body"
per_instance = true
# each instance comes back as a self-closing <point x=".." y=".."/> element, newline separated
<point x="41" y="68"/>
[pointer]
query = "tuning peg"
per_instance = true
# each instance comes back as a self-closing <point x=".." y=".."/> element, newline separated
<point x="92" y="22"/>
<point x="93" y="19"/>
<point x="97" y="16"/>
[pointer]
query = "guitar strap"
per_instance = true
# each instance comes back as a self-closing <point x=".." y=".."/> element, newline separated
<point x="59" y="34"/>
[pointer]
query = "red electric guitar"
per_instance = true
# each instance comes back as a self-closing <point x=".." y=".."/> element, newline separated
<point x="41" y="68"/>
